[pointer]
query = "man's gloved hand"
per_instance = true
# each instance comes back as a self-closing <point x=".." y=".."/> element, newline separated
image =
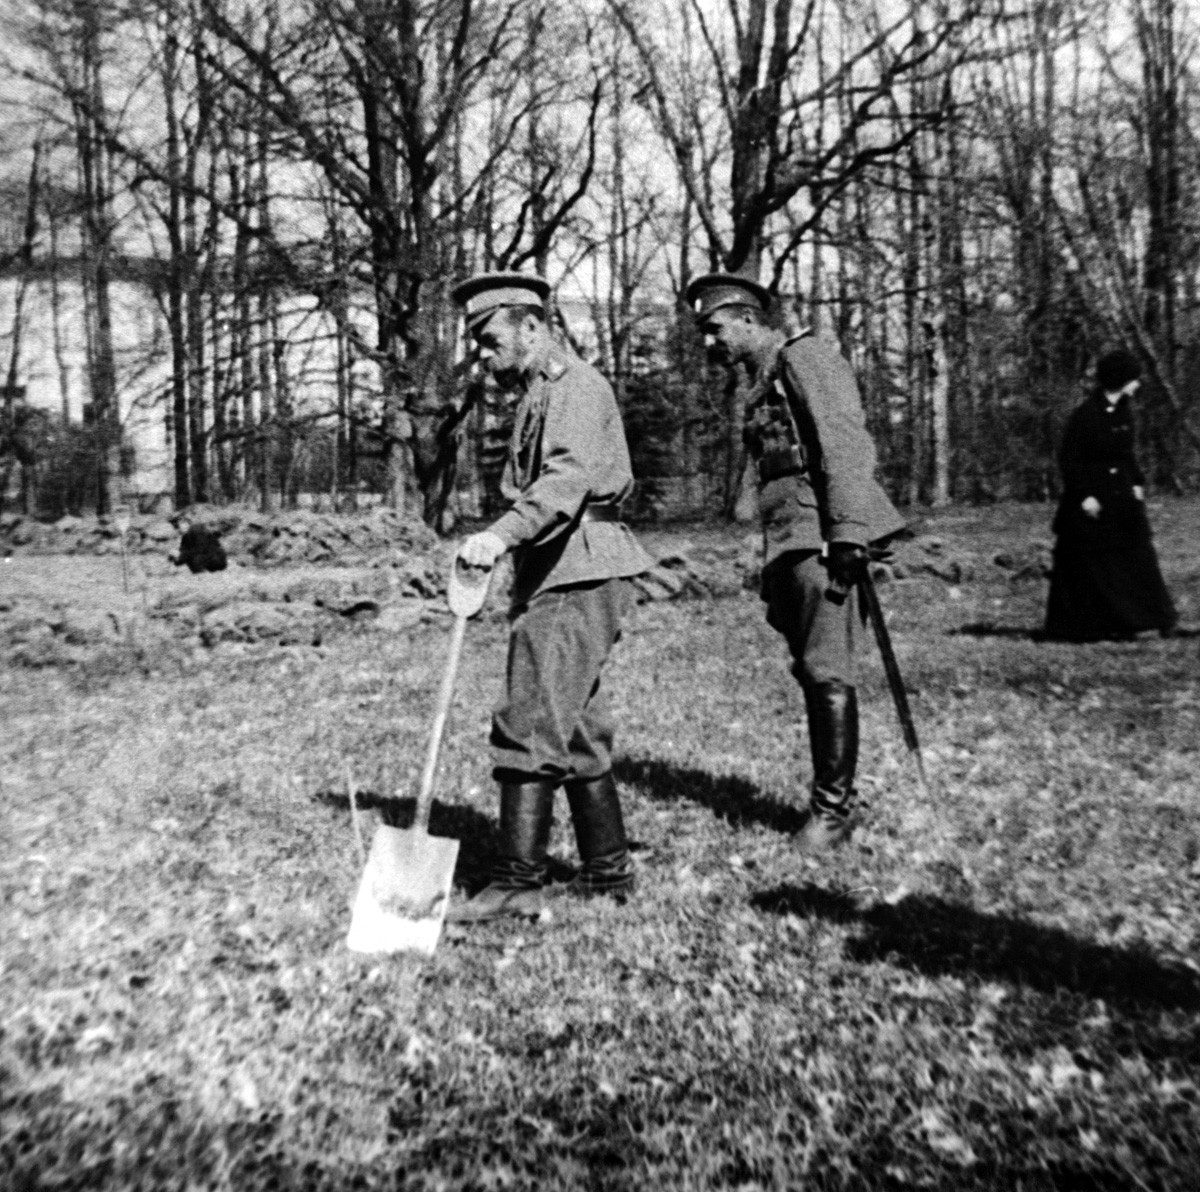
<point x="1091" y="506"/>
<point x="482" y="549"/>
<point x="846" y="563"/>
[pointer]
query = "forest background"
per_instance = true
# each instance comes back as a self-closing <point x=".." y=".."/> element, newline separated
<point x="974" y="197"/>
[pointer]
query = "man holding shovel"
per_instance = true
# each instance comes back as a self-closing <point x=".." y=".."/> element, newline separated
<point x="566" y="474"/>
<point x="820" y="507"/>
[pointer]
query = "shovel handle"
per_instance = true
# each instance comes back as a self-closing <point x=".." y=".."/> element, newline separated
<point x="467" y="588"/>
<point x="445" y="695"/>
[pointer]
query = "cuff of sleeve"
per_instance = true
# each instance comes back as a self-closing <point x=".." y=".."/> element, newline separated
<point x="507" y="529"/>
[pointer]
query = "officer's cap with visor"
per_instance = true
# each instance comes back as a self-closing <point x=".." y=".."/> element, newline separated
<point x="712" y="291"/>
<point x="485" y="293"/>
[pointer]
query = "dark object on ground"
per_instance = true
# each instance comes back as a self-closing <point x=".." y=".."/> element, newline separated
<point x="200" y="549"/>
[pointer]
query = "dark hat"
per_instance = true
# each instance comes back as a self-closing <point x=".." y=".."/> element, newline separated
<point x="1116" y="369"/>
<point x="482" y="295"/>
<point x="712" y="291"/>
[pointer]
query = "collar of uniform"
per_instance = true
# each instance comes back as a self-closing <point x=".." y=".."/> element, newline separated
<point x="552" y="365"/>
<point x="766" y="357"/>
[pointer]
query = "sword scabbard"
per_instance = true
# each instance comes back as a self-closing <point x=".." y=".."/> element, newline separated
<point x="870" y="599"/>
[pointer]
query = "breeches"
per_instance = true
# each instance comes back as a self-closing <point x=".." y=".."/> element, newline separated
<point x="553" y="721"/>
<point x="822" y="635"/>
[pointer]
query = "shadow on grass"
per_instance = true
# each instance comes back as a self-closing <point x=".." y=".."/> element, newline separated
<point x="941" y="938"/>
<point x="987" y="629"/>
<point x="1019" y="633"/>
<point x="728" y="797"/>
<point x="475" y="833"/>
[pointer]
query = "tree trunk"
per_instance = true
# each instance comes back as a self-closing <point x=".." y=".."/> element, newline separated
<point x="62" y="367"/>
<point x="177" y="417"/>
<point x="97" y="249"/>
<point x="9" y="435"/>
<point x="242" y="358"/>
<point x="1161" y="70"/>
<point x="914" y="372"/>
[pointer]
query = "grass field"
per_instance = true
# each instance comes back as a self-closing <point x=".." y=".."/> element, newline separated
<point x="994" y="986"/>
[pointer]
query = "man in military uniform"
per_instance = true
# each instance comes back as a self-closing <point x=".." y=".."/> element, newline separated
<point x="821" y="508"/>
<point x="566" y="474"/>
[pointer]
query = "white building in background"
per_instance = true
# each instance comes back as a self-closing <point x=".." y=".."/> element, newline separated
<point x="53" y="371"/>
<point x="52" y="364"/>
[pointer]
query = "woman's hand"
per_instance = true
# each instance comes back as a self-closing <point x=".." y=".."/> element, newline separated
<point x="1091" y="506"/>
<point x="1139" y="493"/>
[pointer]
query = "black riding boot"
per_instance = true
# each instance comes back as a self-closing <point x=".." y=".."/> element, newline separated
<point x="833" y="732"/>
<point x="600" y="837"/>
<point x="519" y="871"/>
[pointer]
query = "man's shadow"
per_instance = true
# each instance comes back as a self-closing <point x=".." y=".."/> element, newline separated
<point x="930" y="935"/>
<point x="989" y="629"/>
<point x="1039" y="634"/>
<point x="729" y="797"/>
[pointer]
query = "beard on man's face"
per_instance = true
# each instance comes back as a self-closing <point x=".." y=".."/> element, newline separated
<point x="717" y="353"/>
<point x="507" y="378"/>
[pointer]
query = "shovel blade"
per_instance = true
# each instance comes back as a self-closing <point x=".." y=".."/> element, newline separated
<point x="405" y="889"/>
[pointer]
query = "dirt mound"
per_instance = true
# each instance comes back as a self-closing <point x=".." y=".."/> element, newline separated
<point x="256" y="539"/>
<point x="301" y="578"/>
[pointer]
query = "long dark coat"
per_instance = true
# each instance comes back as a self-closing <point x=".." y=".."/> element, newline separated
<point x="1106" y="581"/>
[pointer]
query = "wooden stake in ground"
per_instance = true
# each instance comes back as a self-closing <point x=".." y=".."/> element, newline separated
<point x="121" y="521"/>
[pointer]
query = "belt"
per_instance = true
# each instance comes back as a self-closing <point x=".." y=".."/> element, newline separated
<point x="607" y="511"/>
<point x="774" y="464"/>
<point x="772" y="469"/>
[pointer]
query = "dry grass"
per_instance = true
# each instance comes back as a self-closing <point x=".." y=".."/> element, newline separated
<point x="994" y="987"/>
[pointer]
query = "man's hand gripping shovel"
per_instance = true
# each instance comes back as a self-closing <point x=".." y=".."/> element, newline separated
<point x="405" y="888"/>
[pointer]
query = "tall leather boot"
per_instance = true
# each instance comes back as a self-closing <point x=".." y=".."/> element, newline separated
<point x="833" y="733"/>
<point x="519" y="871"/>
<point x="600" y="836"/>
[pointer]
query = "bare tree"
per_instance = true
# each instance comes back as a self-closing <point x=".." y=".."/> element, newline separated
<point x="85" y="27"/>
<point x="1126" y="235"/>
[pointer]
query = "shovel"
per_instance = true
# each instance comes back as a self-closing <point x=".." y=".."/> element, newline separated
<point x="405" y="887"/>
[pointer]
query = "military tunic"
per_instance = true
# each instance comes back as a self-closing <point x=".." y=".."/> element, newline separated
<point x="567" y="452"/>
<point x="567" y="470"/>
<point x="805" y="431"/>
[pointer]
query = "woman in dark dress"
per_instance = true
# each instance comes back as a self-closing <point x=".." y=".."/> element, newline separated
<point x="1106" y="582"/>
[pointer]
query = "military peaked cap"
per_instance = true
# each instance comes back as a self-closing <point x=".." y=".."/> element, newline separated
<point x="711" y="291"/>
<point x="485" y="293"/>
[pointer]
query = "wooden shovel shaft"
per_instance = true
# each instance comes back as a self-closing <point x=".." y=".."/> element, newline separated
<point x="445" y="695"/>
